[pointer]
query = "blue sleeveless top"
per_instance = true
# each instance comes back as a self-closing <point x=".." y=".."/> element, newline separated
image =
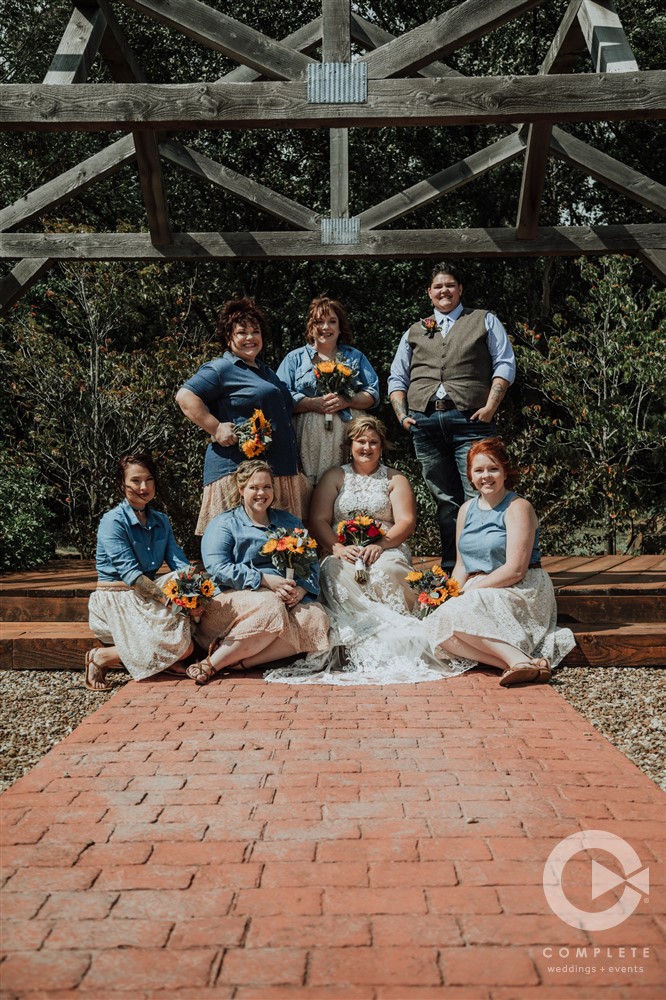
<point x="482" y="543"/>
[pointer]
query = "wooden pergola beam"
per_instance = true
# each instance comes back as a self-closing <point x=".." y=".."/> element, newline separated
<point x="336" y="48"/>
<point x="605" y="38"/>
<point x="443" y="35"/>
<point x="304" y="40"/>
<point x="611" y="172"/>
<point x="405" y="243"/>
<point x="244" y="187"/>
<point x="68" y="184"/>
<point x="655" y="261"/>
<point x="222" y="33"/>
<point x="78" y="46"/>
<point x="394" y="103"/>
<point x="14" y="284"/>
<point x="466" y="170"/>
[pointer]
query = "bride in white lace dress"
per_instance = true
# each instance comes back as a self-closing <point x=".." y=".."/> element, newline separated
<point x="374" y="638"/>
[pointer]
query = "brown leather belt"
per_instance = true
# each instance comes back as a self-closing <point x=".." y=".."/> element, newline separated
<point x="440" y="406"/>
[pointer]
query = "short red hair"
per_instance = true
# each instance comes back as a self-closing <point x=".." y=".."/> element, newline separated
<point x="496" y="449"/>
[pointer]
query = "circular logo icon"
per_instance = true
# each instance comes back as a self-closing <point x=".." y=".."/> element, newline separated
<point x="635" y="880"/>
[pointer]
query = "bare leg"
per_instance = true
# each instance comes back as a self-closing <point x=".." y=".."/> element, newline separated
<point x="492" y="651"/>
<point x="279" y="649"/>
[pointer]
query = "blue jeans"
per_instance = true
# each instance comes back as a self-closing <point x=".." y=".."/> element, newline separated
<point x="441" y="443"/>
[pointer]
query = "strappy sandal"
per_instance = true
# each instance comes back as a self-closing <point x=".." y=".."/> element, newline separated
<point x="542" y="664"/>
<point x="201" y="671"/>
<point x="91" y="678"/>
<point x="526" y="672"/>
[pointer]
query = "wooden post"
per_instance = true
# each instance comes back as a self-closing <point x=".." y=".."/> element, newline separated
<point x="336" y="47"/>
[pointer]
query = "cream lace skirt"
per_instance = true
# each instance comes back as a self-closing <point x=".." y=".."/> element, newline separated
<point x="524" y="615"/>
<point x="319" y="449"/>
<point x="149" y="638"/>
<point x="292" y="493"/>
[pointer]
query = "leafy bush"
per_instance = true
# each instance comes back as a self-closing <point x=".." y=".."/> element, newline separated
<point x="26" y="539"/>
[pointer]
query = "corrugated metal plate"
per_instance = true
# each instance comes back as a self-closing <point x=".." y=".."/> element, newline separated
<point x="340" y="231"/>
<point x="337" y="83"/>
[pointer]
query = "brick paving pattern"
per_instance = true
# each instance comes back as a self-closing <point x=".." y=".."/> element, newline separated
<point x="271" y="842"/>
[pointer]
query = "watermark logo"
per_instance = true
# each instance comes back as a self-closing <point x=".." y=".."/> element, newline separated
<point x="635" y="879"/>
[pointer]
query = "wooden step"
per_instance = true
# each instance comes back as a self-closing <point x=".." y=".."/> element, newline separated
<point x="62" y="645"/>
<point x="44" y="645"/>
<point x="44" y="609"/>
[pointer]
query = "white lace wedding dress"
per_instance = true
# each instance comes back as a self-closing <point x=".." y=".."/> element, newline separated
<point x="374" y="639"/>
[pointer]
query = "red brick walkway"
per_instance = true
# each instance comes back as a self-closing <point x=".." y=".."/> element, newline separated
<point x="263" y="841"/>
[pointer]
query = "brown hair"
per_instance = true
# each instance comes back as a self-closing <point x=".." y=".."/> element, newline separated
<point x="137" y="458"/>
<point x="445" y="267"/>
<point x="235" y="311"/>
<point x="366" y="422"/>
<point x="246" y="470"/>
<point x="496" y="449"/>
<point x="320" y="308"/>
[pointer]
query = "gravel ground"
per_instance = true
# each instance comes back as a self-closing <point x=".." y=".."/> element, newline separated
<point x="627" y="705"/>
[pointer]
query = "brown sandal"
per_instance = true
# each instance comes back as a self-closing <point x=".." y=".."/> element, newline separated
<point x="526" y="672"/>
<point x="91" y="678"/>
<point x="542" y="664"/>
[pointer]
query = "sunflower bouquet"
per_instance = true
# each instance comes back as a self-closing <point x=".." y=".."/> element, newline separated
<point x="359" y="529"/>
<point x="292" y="551"/>
<point x="434" y="586"/>
<point x="337" y="375"/>
<point x="254" y="434"/>
<point x="190" y="591"/>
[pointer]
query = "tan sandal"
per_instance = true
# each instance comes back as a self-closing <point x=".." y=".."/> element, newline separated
<point x="92" y="679"/>
<point x="542" y="664"/>
<point x="526" y="672"/>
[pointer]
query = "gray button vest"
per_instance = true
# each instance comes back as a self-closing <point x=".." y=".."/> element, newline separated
<point x="461" y="360"/>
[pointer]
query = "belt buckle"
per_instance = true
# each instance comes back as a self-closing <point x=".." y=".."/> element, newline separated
<point x="440" y="405"/>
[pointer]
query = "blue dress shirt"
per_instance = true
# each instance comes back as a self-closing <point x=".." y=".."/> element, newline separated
<point x="499" y="347"/>
<point x="232" y="390"/>
<point x="127" y="550"/>
<point x="231" y="551"/>
<point x="297" y="373"/>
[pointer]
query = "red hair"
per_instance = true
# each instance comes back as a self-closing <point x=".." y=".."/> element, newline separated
<point x="496" y="449"/>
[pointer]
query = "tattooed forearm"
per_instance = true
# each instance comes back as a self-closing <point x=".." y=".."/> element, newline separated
<point x="149" y="589"/>
<point x="399" y="404"/>
<point x="498" y="390"/>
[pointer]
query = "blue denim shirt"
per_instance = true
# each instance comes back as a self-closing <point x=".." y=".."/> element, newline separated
<point x="297" y="372"/>
<point x="499" y="348"/>
<point x="232" y="390"/>
<point x="126" y="550"/>
<point x="231" y="551"/>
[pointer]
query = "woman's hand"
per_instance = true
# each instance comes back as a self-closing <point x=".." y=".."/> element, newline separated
<point x="368" y="553"/>
<point x="295" y="595"/>
<point x="346" y="552"/>
<point x="282" y="588"/>
<point x="225" y="434"/>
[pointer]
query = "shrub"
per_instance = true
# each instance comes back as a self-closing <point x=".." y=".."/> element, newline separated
<point x="26" y="539"/>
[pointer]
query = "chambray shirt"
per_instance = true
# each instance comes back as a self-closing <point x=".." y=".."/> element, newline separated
<point x="499" y="348"/>
<point x="232" y="390"/>
<point x="126" y="550"/>
<point x="231" y="551"/>
<point x="297" y="372"/>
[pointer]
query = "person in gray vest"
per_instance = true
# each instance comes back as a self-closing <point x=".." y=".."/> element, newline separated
<point x="448" y="378"/>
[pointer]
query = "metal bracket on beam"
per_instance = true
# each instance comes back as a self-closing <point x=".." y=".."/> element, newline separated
<point x="338" y="232"/>
<point x="337" y="83"/>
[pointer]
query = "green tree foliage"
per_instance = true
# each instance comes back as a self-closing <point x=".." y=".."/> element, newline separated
<point x="596" y="424"/>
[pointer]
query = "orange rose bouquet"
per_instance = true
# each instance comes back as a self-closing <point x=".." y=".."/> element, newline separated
<point x="434" y="586"/>
<point x="254" y="435"/>
<point x="337" y="375"/>
<point x="292" y="551"/>
<point x="359" y="529"/>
